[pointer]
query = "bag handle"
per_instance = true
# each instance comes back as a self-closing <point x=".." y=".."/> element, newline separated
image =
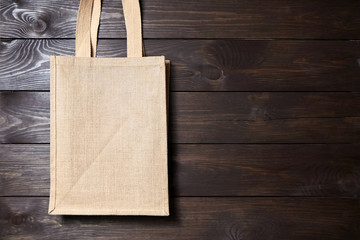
<point x="88" y="25"/>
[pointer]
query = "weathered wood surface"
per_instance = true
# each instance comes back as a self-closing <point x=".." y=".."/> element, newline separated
<point x="25" y="118"/>
<point x="216" y="117"/>
<point x="215" y="170"/>
<point x="192" y="218"/>
<point x="205" y="65"/>
<point x="190" y="19"/>
<point x="297" y="84"/>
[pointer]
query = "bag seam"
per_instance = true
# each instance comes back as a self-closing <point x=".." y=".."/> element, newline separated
<point x="54" y="157"/>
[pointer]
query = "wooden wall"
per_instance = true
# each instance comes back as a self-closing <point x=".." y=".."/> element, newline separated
<point x="264" y="118"/>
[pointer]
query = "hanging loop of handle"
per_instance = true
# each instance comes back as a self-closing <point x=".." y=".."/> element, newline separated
<point x="88" y="25"/>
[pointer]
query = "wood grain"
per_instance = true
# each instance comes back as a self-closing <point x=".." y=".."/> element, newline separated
<point x="26" y="117"/>
<point x="215" y="117"/>
<point x="189" y="19"/>
<point x="265" y="170"/>
<point x="205" y="65"/>
<point x="335" y="130"/>
<point x="302" y="91"/>
<point x="215" y="170"/>
<point x="192" y="218"/>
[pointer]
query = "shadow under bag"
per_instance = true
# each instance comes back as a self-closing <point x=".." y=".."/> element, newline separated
<point x="108" y="125"/>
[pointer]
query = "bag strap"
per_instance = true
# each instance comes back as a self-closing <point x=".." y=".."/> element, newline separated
<point x="83" y="42"/>
<point x="132" y="14"/>
<point x="88" y="25"/>
<point x="95" y="21"/>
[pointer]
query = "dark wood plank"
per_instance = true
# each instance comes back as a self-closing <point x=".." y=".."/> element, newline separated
<point x="25" y="117"/>
<point x="206" y="65"/>
<point x="192" y="218"/>
<point x="219" y="117"/>
<point x="24" y="169"/>
<point x="215" y="170"/>
<point x="265" y="170"/>
<point x="331" y="130"/>
<point x="189" y="19"/>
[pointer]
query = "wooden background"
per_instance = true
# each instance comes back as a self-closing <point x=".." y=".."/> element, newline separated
<point x="265" y="118"/>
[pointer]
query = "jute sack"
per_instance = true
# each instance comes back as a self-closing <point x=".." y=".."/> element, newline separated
<point x="108" y="125"/>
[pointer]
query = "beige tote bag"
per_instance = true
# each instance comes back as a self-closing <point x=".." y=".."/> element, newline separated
<point x="108" y="125"/>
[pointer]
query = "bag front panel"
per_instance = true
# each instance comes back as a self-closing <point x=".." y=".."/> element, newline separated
<point x="108" y="136"/>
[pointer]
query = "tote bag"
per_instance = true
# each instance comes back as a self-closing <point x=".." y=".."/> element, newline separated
<point x="108" y="146"/>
